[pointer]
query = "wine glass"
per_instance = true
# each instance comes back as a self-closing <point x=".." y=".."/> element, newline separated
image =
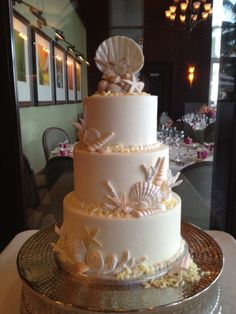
<point x="179" y="137"/>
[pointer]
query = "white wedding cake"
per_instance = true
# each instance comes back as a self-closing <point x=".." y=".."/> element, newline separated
<point x="122" y="222"/>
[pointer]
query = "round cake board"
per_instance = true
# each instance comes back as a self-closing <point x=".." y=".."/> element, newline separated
<point x="47" y="288"/>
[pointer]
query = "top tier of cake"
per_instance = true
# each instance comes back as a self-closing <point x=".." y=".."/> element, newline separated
<point x="132" y="119"/>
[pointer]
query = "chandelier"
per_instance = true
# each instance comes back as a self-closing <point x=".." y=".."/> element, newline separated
<point x="189" y="12"/>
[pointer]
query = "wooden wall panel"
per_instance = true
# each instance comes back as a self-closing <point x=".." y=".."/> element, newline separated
<point x="163" y="44"/>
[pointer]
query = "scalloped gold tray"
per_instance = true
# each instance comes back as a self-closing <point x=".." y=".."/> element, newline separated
<point x="52" y="290"/>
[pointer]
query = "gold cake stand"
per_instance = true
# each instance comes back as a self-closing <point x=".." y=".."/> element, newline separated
<point x="47" y="288"/>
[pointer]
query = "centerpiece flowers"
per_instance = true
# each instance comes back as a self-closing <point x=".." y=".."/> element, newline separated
<point x="210" y="112"/>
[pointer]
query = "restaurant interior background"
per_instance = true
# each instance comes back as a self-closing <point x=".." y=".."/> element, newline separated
<point x="168" y="50"/>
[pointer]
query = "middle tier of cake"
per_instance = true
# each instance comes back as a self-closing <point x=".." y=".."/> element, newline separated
<point x="92" y="171"/>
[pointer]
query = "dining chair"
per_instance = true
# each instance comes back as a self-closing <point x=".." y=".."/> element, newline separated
<point x="195" y="193"/>
<point x="210" y="133"/>
<point x="184" y="126"/>
<point x="165" y="119"/>
<point x="51" y="139"/>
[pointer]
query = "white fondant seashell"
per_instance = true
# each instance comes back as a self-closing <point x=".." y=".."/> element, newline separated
<point x="76" y="250"/>
<point x="122" y="263"/>
<point x="146" y="212"/>
<point x="100" y="142"/>
<point x="114" y="88"/>
<point x="126" y="76"/>
<point x="143" y="193"/>
<point x="110" y="264"/>
<point x="114" y="79"/>
<point x="102" y="86"/>
<point x="162" y="207"/>
<point x="141" y="85"/>
<point x="81" y="267"/>
<point x="57" y="229"/>
<point x="143" y="205"/>
<point x="91" y="136"/>
<point x="108" y="73"/>
<point x="158" y="178"/>
<point x="131" y="262"/>
<point x="126" y="87"/>
<point x="140" y="260"/>
<point x="122" y="51"/>
<point x="95" y="261"/>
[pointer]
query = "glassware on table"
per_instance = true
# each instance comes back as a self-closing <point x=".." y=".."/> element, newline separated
<point x="178" y="141"/>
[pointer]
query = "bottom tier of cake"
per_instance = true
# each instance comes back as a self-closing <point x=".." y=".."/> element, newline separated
<point x="117" y="247"/>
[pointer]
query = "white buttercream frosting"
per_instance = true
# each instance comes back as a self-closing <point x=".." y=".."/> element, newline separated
<point x="131" y="119"/>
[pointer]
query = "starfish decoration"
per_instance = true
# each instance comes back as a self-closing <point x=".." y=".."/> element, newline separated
<point x="173" y="180"/>
<point x="120" y="67"/>
<point x="123" y="205"/>
<point x="136" y="86"/>
<point x="90" y="238"/>
<point x="118" y="204"/>
<point x="105" y="65"/>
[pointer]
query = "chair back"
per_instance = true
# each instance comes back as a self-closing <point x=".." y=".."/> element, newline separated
<point x="210" y="133"/>
<point x="184" y="126"/>
<point x="57" y="166"/>
<point x="195" y="193"/>
<point x="165" y="120"/>
<point x="52" y="137"/>
<point x="31" y="197"/>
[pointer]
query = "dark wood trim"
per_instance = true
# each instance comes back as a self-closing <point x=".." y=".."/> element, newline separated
<point x="12" y="217"/>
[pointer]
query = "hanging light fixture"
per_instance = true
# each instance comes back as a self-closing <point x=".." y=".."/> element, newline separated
<point x="59" y="34"/>
<point x="188" y="12"/>
<point x="71" y="48"/>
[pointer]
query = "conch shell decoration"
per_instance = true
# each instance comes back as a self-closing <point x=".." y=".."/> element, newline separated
<point x="91" y="139"/>
<point x="119" y="58"/>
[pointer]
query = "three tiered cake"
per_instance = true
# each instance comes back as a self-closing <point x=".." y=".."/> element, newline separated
<point x="122" y="221"/>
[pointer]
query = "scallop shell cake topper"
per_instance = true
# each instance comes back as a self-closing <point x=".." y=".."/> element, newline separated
<point x="119" y="58"/>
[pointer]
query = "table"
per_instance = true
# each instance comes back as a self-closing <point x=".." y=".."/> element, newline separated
<point x="199" y="135"/>
<point x="10" y="284"/>
<point x="187" y="160"/>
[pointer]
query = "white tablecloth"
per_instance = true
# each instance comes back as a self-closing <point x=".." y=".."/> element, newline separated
<point x="10" y="284"/>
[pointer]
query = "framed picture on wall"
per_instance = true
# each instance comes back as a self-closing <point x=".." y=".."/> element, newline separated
<point x="43" y="68"/>
<point x="70" y="66"/>
<point x="23" y="59"/>
<point x="59" y="57"/>
<point x="78" y="81"/>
